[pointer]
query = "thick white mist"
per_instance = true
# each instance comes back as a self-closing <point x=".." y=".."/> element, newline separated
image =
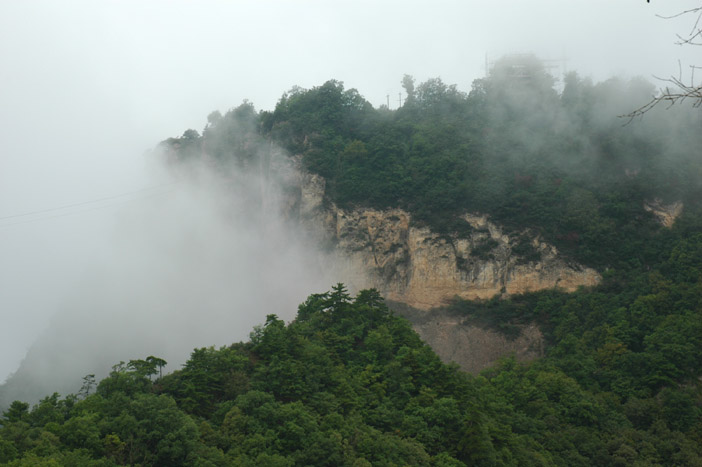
<point x="198" y="263"/>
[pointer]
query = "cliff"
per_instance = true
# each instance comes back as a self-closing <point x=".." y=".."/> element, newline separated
<point x="423" y="269"/>
<point x="418" y="270"/>
<point x="666" y="214"/>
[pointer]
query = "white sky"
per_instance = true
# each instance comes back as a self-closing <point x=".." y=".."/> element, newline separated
<point x="87" y="86"/>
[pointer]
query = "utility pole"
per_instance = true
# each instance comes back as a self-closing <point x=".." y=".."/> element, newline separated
<point x="400" y="98"/>
<point x="388" y="97"/>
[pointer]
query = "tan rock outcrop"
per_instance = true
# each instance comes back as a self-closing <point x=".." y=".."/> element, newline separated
<point x="413" y="266"/>
<point x="666" y="214"/>
<point x="423" y="269"/>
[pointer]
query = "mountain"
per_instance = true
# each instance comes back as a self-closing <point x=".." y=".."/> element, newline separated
<point x="526" y="233"/>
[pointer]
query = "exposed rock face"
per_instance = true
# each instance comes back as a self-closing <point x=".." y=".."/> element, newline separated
<point x="666" y="214"/>
<point x="423" y="269"/>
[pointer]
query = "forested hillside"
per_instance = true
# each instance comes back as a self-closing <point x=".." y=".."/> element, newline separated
<point x="563" y="164"/>
<point x="349" y="383"/>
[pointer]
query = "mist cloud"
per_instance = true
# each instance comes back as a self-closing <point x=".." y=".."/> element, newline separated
<point x="197" y="264"/>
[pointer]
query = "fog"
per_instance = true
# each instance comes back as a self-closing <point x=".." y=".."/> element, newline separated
<point x="95" y="238"/>
<point x="197" y="261"/>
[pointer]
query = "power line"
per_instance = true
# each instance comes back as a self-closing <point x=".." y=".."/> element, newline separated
<point x="83" y="203"/>
<point x="73" y="213"/>
<point x="81" y="211"/>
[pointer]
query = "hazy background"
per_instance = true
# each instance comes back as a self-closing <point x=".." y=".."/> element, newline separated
<point x="86" y="87"/>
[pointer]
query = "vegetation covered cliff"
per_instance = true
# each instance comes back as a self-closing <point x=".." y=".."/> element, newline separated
<point x="513" y="153"/>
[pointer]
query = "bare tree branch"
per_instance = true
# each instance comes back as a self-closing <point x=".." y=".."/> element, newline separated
<point x="677" y="90"/>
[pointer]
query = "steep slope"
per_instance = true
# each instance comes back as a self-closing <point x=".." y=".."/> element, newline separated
<point x="419" y="270"/>
<point x="423" y="269"/>
<point x="457" y="338"/>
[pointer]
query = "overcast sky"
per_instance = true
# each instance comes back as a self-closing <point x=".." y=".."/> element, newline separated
<point x="87" y="86"/>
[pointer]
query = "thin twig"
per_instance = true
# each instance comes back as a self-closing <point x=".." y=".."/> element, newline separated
<point x="680" y="91"/>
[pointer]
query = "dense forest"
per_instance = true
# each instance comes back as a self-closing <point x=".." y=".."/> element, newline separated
<point x="349" y="383"/>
